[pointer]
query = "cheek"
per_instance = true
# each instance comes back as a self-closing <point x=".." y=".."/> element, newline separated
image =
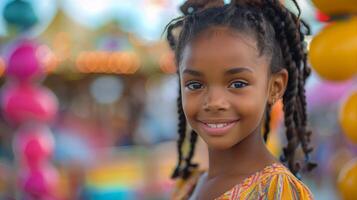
<point x="190" y="104"/>
<point x="252" y="105"/>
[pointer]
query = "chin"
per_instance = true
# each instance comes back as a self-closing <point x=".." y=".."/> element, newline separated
<point x="219" y="144"/>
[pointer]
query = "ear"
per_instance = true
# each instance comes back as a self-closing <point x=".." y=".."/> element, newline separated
<point x="277" y="85"/>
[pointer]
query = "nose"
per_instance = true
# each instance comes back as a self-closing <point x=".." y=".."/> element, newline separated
<point x="215" y="100"/>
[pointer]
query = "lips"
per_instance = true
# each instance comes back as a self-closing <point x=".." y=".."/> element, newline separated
<point x="217" y="127"/>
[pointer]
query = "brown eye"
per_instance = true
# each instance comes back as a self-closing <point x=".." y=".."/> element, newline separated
<point x="194" y="85"/>
<point x="238" y="84"/>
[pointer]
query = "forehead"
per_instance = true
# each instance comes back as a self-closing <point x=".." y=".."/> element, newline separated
<point x="223" y="33"/>
<point x="222" y="46"/>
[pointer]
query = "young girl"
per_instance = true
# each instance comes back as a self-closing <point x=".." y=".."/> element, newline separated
<point x="234" y="62"/>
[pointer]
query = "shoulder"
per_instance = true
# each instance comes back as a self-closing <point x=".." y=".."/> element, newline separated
<point x="184" y="188"/>
<point x="279" y="183"/>
<point x="274" y="182"/>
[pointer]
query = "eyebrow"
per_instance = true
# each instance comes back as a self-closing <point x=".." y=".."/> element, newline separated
<point x="192" y="72"/>
<point x="231" y="71"/>
<point x="237" y="70"/>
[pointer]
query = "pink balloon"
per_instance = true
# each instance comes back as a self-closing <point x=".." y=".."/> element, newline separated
<point x="23" y="63"/>
<point x="40" y="183"/>
<point x="325" y="93"/>
<point x="23" y="103"/>
<point x="33" y="145"/>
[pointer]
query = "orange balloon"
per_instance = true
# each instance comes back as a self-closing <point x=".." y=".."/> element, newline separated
<point x="347" y="181"/>
<point x="274" y="144"/>
<point x="334" y="7"/>
<point x="276" y="115"/>
<point x="333" y="51"/>
<point x="348" y="117"/>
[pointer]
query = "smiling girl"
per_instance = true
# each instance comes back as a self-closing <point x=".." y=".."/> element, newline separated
<point x="234" y="62"/>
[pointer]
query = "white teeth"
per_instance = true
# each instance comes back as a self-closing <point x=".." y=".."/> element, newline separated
<point x="217" y="125"/>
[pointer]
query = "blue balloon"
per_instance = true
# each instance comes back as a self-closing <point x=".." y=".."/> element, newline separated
<point x="22" y="21"/>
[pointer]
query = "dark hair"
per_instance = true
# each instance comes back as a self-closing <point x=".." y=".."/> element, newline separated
<point x="280" y="37"/>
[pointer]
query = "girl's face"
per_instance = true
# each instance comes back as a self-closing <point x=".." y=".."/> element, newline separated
<point x="226" y="86"/>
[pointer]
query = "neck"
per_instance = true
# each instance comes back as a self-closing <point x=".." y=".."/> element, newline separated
<point x="246" y="157"/>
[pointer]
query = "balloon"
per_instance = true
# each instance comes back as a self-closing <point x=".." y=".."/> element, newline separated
<point x="23" y="63"/>
<point x="274" y="144"/>
<point x="167" y="63"/>
<point x="347" y="181"/>
<point x="23" y="103"/>
<point x="23" y="21"/>
<point x="40" y="183"/>
<point x="322" y="17"/>
<point x="348" y="117"/>
<point x="33" y="145"/>
<point x="5" y="175"/>
<point x="325" y="93"/>
<point x="336" y="7"/>
<point x="333" y="51"/>
<point x="276" y="115"/>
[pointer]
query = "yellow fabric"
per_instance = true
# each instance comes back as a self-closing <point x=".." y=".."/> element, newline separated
<point x="272" y="183"/>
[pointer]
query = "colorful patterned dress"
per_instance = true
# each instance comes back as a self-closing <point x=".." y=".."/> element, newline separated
<point x="272" y="183"/>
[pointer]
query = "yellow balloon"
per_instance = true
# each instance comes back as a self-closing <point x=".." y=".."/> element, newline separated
<point x="333" y="52"/>
<point x="347" y="181"/>
<point x="348" y="117"/>
<point x="274" y="144"/>
<point x="333" y="7"/>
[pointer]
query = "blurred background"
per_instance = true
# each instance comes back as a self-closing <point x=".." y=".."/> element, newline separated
<point x="88" y="97"/>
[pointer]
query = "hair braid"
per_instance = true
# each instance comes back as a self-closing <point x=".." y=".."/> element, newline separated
<point x="256" y="19"/>
<point x="267" y="123"/>
<point x="182" y="134"/>
<point x="182" y="22"/>
<point x="292" y="31"/>
<point x="289" y="98"/>
<point x="296" y="37"/>
<point x="175" y="23"/>
<point x="189" y="165"/>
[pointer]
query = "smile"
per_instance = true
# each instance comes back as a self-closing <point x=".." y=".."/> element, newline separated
<point x="218" y="128"/>
<point x="221" y="125"/>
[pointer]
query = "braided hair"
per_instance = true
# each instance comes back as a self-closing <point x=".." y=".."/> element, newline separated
<point x="280" y="36"/>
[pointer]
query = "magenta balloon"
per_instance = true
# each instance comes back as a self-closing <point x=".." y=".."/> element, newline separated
<point x="40" y="182"/>
<point x="23" y="63"/>
<point x="23" y="103"/>
<point x="33" y="145"/>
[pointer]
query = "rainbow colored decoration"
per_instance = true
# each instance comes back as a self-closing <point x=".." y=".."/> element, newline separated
<point x="114" y="181"/>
